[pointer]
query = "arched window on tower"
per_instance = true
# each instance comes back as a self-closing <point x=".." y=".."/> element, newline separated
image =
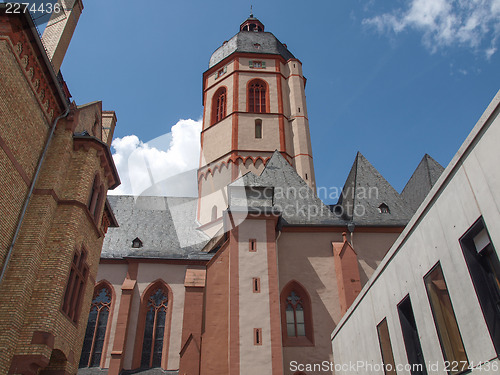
<point x="219" y="105"/>
<point x="257" y="96"/>
<point x="95" y="335"/>
<point x="296" y="316"/>
<point x="156" y="310"/>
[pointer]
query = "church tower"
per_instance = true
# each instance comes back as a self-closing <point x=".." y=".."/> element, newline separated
<point x="254" y="104"/>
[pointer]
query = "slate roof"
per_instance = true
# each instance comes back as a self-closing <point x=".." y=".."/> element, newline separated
<point x="364" y="191"/>
<point x="421" y="182"/>
<point x="296" y="201"/>
<point x="165" y="225"/>
<point x="245" y="41"/>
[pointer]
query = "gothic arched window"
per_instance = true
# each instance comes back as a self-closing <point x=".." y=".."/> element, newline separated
<point x="296" y="315"/>
<point x="95" y="335"/>
<point x="294" y="310"/>
<point x="219" y="105"/>
<point x="257" y="96"/>
<point x="154" y="328"/>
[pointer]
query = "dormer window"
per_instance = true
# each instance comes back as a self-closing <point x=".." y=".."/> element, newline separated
<point x="384" y="209"/>
<point x="220" y="72"/>
<point x="257" y="64"/>
<point x="136" y="243"/>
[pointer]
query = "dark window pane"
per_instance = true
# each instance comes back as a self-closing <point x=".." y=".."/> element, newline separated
<point x="410" y="338"/>
<point x="258" y="129"/>
<point x="444" y="319"/>
<point x="153" y="341"/>
<point x="104" y="296"/>
<point x="484" y="268"/>
<point x="257" y="97"/>
<point x="148" y="338"/>
<point x="386" y="348"/>
<point x="99" y="337"/>
<point x="95" y="333"/>
<point x="89" y="336"/>
<point x="160" y="330"/>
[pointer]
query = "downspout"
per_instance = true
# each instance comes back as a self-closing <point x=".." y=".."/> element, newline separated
<point x="30" y="193"/>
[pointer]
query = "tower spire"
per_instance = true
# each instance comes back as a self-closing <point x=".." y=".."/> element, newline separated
<point x="252" y="23"/>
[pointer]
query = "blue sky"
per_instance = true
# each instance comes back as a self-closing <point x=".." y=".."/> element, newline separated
<point x="392" y="79"/>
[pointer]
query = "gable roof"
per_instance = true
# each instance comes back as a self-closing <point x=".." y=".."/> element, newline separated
<point x="165" y="225"/>
<point x="296" y="201"/>
<point x="421" y="182"/>
<point x="364" y="191"/>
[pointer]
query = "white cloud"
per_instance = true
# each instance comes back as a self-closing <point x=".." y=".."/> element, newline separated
<point x="163" y="166"/>
<point x="443" y="23"/>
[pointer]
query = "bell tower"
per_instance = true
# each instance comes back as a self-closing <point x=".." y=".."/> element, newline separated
<point x="254" y="103"/>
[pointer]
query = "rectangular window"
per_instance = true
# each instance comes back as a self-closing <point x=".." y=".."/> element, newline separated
<point x="258" y="129"/>
<point x="484" y="268"/>
<point x="257" y="336"/>
<point x="252" y="245"/>
<point x="257" y="64"/>
<point x="220" y="72"/>
<point x="444" y="319"/>
<point x="256" y="284"/>
<point x="76" y="285"/>
<point x="410" y="338"/>
<point x="386" y="348"/>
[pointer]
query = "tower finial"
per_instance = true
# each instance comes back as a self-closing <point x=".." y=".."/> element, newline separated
<point x="251" y="11"/>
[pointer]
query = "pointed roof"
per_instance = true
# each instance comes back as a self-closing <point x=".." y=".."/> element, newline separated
<point x="296" y="201"/>
<point x="364" y="195"/>
<point x="421" y="182"/>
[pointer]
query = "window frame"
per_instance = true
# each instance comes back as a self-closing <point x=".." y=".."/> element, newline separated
<point x="215" y="115"/>
<point x="440" y="329"/>
<point x="387" y="356"/>
<point x="141" y="323"/>
<point x="98" y="287"/>
<point x="480" y="280"/>
<point x="384" y="208"/>
<point x="263" y="102"/>
<point x="258" y="129"/>
<point x="300" y="290"/>
<point x="409" y="341"/>
<point x="71" y="305"/>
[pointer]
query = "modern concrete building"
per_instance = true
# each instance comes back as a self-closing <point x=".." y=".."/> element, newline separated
<point x="432" y="305"/>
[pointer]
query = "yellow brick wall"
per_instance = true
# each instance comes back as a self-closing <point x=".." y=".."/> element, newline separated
<point x="56" y="222"/>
